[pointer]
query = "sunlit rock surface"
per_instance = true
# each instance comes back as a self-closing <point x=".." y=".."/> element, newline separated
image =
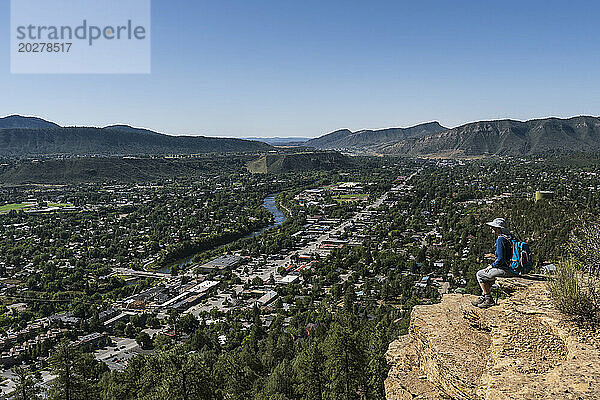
<point x="521" y="348"/>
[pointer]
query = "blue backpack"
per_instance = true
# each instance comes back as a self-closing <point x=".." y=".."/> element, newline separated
<point x="522" y="259"/>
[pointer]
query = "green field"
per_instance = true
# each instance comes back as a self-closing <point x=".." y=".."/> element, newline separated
<point x="15" y="206"/>
<point x="350" y="197"/>
<point x="22" y="206"/>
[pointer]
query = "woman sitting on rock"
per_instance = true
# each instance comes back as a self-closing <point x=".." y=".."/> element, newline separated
<point x="499" y="268"/>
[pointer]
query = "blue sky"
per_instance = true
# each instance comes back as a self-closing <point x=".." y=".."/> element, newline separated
<point x="304" y="68"/>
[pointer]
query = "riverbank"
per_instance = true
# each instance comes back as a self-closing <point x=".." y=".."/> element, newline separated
<point x="269" y="204"/>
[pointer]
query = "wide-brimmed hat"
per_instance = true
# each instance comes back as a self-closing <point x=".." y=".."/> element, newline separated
<point x="499" y="223"/>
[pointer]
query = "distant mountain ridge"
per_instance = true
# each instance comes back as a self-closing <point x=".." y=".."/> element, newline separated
<point x="497" y="137"/>
<point x="131" y="129"/>
<point x="280" y="141"/>
<point x="21" y="122"/>
<point x="31" y="136"/>
<point x="506" y="138"/>
<point x="367" y="139"/>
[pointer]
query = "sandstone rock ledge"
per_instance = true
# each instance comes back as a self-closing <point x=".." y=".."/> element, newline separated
<point x="521" y="348"/>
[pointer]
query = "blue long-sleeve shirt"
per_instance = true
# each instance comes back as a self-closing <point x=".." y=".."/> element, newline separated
<point x="503" y="253"/>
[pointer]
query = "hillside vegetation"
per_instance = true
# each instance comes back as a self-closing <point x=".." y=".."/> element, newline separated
<point x="102" y="169"/>
<point x="32" y="137"/>
<point x="298" y="162"/>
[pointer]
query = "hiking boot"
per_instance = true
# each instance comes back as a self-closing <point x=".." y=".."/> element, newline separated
<point x="487" y="302"/>
<point x="479" y="300"/>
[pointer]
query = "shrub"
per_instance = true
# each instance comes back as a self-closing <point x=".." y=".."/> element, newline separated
<point x="575" y="289"/>
<point x="584" y="247"/>
<point x="575" y="292"/>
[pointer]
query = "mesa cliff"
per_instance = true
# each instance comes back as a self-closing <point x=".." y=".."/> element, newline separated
<point x="522" y="348"/>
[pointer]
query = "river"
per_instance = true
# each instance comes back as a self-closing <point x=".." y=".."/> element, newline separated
<point x="269" y="204"/>
<point x="278" y="215"/>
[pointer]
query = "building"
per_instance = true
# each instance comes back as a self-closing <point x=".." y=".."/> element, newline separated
<point x="92" y="341"/>
<point x="288" y="279"/>
<point x="222" y="263"/>
<point x="267" y="298"/>
<point x="17" y="308"/>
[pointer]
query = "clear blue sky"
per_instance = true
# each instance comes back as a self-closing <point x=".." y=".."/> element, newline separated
<point x="304" y="68"/>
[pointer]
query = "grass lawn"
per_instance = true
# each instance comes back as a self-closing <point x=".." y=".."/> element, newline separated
<point x="14" y="206"/>
<point x="350" y="197"/>
<point x="22" y="206"/>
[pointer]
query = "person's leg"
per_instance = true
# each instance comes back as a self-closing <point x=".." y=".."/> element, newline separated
<point x="486" y="287"/>
<point x="483" y="279"/>
<point x="486" y="279"/>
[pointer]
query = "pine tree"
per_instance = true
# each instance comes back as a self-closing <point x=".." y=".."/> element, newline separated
<point x="377" y="368"/>
<point x="342" y="365"/>
<point x="309" y="368"/>
<point x="184" y="376"/>
<point x="77" y="374"/>
<point x="26" y="385"/>
<point x="281" y="383"/>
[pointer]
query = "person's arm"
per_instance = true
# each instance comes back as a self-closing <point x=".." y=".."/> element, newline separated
<point x="500" y="256"/>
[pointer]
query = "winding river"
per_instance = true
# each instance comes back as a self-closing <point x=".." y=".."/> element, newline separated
<point x="269" y="204"/>
<point x="278" y="215"/>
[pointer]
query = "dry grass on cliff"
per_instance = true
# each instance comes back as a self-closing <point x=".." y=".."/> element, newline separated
<point x="575" y="289"/>
<point x="576" y="293"/>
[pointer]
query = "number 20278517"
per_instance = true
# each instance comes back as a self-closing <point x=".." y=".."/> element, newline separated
<point x="44" y="47"/>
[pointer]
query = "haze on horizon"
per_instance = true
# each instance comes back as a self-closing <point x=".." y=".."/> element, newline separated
<point x="301" y="70"/>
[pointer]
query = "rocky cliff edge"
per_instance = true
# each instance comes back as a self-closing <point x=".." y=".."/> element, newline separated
<point x="522" y="348"/>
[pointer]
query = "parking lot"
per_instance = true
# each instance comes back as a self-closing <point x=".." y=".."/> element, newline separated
<point x="117" y="355"/>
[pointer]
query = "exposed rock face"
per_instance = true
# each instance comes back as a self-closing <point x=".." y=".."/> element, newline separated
<point x="505" y="138"/>
<point x="520" y="349"/>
